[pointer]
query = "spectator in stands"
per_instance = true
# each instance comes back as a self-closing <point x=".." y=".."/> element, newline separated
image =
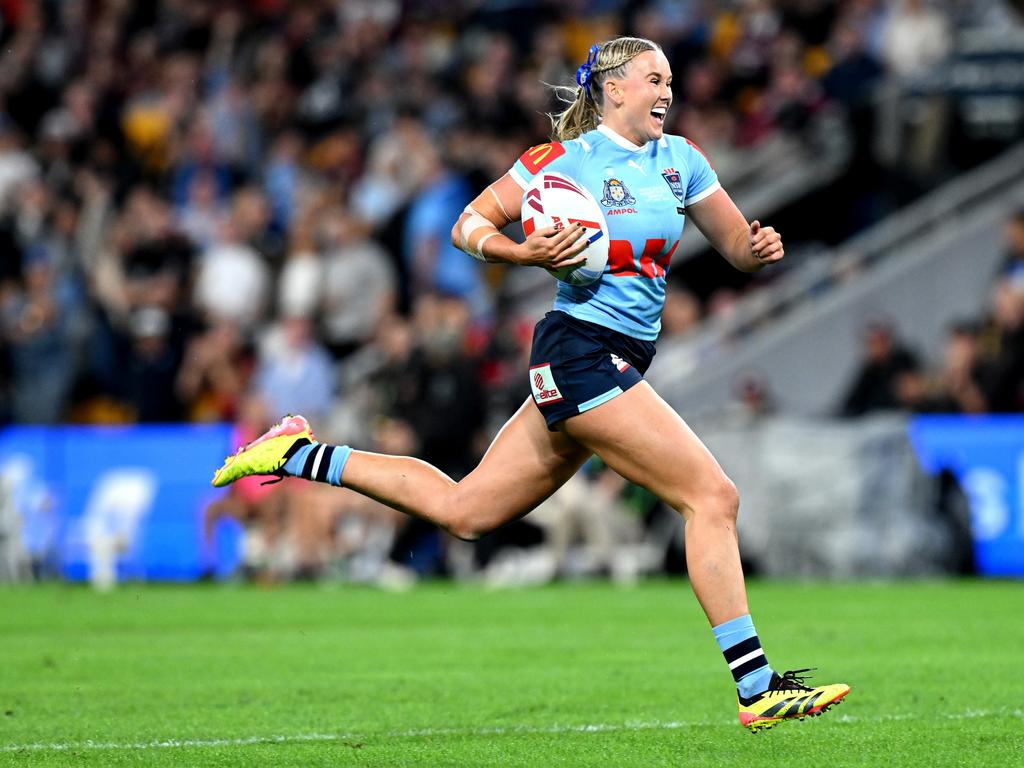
<point x="435" y="264"/>
<point x="915" y="39"/>
<point x="883" y="359"/>
<point x="1013" y="235"/>
<point x="35" y="321"/>
<point x="916" y="393"/>
<point x="359" y="283"/>
<point x="1003" y="344"/>
<point x="916" y="36"/>
<point x="854" y="70"/>
<point x="446" y="399"/>
<point x="964" y="375"/>
<point x="16" y="164"/>
<point x="215" y="374"/>
<point x="147" y="364"/>
<point x="233" y="261"/>
<point x="294" y="374"/>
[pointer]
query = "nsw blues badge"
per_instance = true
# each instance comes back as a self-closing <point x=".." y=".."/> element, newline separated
<point x="674" y="180"/>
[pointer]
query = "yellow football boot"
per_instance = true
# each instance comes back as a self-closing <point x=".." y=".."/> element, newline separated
<point x="787" y="698"/>
<point x="268" y="453"/>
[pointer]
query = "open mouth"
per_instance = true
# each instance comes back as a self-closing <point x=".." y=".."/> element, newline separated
<point x="658" y="113"/>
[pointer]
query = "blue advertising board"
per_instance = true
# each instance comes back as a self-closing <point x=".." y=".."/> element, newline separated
<point x="139" y="491"/>
<point x="986" y="454"/>
<point x="143" y="490"/>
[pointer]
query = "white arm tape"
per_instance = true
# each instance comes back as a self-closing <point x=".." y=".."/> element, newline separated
<point x="474" y="222"/>
<point x="478" y="252"/>
<point x="498" y="201"/>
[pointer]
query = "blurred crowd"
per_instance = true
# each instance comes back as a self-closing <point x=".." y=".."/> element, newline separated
<point x="982" y="365"/>
<point x="229" y="211"/>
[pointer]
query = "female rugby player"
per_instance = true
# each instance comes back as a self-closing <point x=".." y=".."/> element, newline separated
<point x="588" y="360"/>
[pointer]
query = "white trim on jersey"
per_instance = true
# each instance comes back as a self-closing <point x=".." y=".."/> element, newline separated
<point x="706" y="192"/>
<point x="517" y="178"/>
<point x="619" y="139"/>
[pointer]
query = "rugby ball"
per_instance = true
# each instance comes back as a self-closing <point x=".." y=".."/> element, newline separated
<point x="555" y="200"/>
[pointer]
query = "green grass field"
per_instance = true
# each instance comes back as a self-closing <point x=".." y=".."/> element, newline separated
<point x="457" y="676"/>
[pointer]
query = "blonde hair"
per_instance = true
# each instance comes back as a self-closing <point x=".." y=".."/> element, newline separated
<point x="584" y="111"/>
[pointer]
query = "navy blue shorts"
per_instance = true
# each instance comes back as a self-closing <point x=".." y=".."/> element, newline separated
<point x="576" y="365"/>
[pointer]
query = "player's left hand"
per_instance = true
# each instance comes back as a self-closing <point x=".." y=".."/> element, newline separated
<point x="765" y="244"/>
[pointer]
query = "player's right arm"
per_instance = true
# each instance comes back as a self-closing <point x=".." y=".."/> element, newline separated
<point x="477" y="230"/>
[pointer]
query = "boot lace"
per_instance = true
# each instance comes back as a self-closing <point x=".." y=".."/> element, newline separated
<point x="795" y="680"/>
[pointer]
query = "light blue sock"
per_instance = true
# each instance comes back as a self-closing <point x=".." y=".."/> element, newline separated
<point x="319" y="461"/>
<point x="742" y="650"/>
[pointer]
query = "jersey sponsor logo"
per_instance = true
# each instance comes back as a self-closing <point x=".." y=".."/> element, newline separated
<point x="545" y="391"/>
<point x="619" y="363"/>
<point x="537" y="157"/>
<point x="674" y="179"/>
<point x="614" y="211"/>
<point x="616" y="194"/>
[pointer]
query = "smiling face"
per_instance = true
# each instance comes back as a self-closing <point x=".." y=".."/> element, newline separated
<point x="635" y="105"/>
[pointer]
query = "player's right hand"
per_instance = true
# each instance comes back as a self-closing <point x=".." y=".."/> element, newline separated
<point x="552" y="248"/>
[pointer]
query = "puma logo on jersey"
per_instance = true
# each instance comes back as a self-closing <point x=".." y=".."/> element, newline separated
<point x="545" y="391"/>
<point x="619" y="363"/>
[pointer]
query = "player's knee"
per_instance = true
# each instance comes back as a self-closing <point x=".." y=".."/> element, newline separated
<point x="721" y="500"/>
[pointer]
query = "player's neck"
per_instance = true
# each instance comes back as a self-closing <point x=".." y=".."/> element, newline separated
<point x="620" y="138"/>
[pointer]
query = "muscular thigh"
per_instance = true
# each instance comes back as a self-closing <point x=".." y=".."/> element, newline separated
<point x="643" y="439"/>
<point x="524" y="465"/>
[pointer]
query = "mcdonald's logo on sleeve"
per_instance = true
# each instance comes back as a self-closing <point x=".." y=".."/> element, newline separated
<point x="541" y="155"/>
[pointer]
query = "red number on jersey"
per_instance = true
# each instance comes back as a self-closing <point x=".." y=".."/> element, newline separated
<point x="654" y="260"/>
<point x="537" y="157"/>
<point x="620" y="259"/>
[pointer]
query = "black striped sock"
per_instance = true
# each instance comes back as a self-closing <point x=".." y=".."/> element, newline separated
<point x="745" y="657"/>
<point x="318" y="460"/>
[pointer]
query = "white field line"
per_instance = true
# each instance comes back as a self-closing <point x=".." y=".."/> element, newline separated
<point x="510" y="730"/>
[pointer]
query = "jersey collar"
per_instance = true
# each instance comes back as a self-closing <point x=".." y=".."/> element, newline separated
<point x="619" y="139"/>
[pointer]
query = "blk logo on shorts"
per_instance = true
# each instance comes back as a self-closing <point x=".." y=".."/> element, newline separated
<point x="619" y="363"/>
<point x="542" y="383"/>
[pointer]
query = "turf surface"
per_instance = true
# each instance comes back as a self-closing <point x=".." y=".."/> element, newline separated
<point x="456" y="676"/>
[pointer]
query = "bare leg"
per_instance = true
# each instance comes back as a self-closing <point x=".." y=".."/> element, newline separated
<point x="639" y="436"/>
<point x="525" y="464"/>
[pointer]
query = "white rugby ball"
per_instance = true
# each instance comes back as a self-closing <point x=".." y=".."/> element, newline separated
<point x="555" y="200"/>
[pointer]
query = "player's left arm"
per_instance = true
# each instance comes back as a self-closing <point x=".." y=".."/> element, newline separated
<point x="748" y="247"/>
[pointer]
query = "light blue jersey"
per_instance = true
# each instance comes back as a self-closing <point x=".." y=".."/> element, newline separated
<point x="644" y="192"/>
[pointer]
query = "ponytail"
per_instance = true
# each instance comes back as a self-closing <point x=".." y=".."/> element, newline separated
<point x="606" y="61"/>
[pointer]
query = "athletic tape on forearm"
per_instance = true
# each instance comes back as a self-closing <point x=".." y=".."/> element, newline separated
<point x="478" y="252"/>
<point x="472" y="223"/>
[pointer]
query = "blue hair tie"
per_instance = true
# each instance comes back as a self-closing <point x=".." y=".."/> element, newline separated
<point x="583" y="73"/>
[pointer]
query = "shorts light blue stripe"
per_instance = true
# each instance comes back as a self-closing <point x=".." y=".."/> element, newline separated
<point x="596" y="401"/>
